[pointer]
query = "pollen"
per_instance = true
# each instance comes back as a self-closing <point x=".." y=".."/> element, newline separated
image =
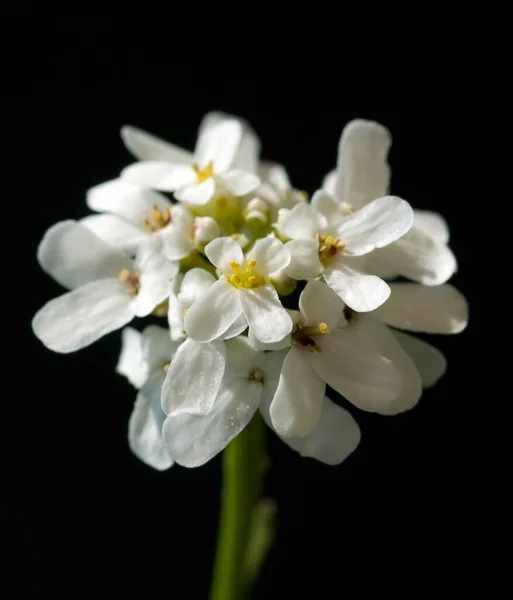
<point x="303" y="335"/>
<point x="329" y="247"/>
<point x="245" y="277"/>
<point x="205" y="173"/>
<point x="158" y="219"/>
<point x="132" y="279"/>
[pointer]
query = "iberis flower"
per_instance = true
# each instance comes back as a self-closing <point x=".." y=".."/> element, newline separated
<point x="270" y="303"/>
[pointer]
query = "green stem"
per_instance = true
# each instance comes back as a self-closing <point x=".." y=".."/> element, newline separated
<point x="243" y="471"/>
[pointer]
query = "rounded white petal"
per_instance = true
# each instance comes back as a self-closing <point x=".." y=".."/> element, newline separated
<point x="270" y="255"/>
<point x="359" y="291"/>
<point x="73" y="255"/>
<point x="264" y="312"/>
<point x="302" y="221"/>
<point x="126" y="200"/>
<point x="375" y="225"/>
<point x="430" y="362"/>
<point x="419" y="257"/>
<point x="197" y="194"/>
<point x="375" y="333"/>
<point x="193" y="378"/>
<point x="212" y="313"/>
<point x="297" y="404"/>
<point x="157" y="347"/>
<point x="164" y="176"/>
<point x="219" y="144"/>
<point x="286" y="342"/>
<point x="145" y="425"/>
<point x="241" y="358"/>
<point x="327" y="206"/>
<point x="318" y="304"/>
<point x="176" y="243"/>
<point x="194" y="284"/>
<point x="192" y="441"/>
<point x="131" y="361"/>
<point x="79" y="318"/>
<point x="146" y="146"/>
<point x="378" y="263"/>
<point x="336" y="436"/>
<point x="329" y="183"/>
<point x="239" y="182"/>
<point x="362" y="168"/>
<point x="275" y="174"/>
<point x="442" y="309"/>
<point x="304" y="259"/>
<point x="432" y="224"/>
<point x="175" y="316"/>
<point x="236" y="328"/>
<point x="206" y="230"/>
<point x="115" y="231"/>
<point x="222" y="251"/>
<point x="356" y="370"/>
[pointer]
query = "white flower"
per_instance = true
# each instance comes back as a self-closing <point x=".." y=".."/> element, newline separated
<point x="131" y="214"/>
<point x="322" y="353"/>
<point x="325" y="241"/>
<point x="188" y="234"/>
<point x="362" y="175"/>
<point x="144" y="360"/>
<point x="249" y="383"/>
<point x="192" y="177"/>
<point x="242" y="288"/>
<point x="109" y="288"/>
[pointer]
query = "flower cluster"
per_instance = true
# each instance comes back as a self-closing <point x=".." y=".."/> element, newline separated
<point x="268" y="297"/>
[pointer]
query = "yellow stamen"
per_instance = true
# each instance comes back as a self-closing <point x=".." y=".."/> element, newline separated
<point x="124" y="274"/>
<point x="165" y="367"/>
<point x="158" y="219"/>
<point x="205" y="173"/>
<point x="243" y="277"/>
<point x="250" y="265"/>
<point x="234" y="266"/>
<point x="323" y="328"/>
<point x="235" y="279"/>
<point x="329" y="247"/>
<point x="132" y="291"/>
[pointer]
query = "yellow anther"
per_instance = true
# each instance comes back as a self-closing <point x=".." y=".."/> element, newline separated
<point x="132" y="291"/>
<point x="158" y="219"/>
<point x="235" y="279"/>
<point x="165" y="367"/>
<point x="323" y="328"/>
<point x="156" y="215"/>
<point x="250" y="265"/>
<point x="124" y="275"/>
<point x="251" y="280"/>
<point x="185" y="311"/>
<point x="205" y="173"/>
<point x="235" y="267"/>
<point x="256" y="375"/>
<point x="243" y="277"/>
<point x="329" y="247"/>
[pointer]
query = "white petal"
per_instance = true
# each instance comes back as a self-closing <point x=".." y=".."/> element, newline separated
<point x="304" y="259"/>
<point x="241" y="358"/>
<point x="302" y="221"/>
<point x="356" y="370"/>
<point x="236" y="328"/>
<point x="222" y="251"/>
<point x="164" y="176"/>
<point x="430" y="362"/>
<point x="211" y="314"/>
<point x="239" y="182"/>
<point x="126" y="200"/>
<point x="145" y="425"/>
<point x="362" y="168"/>
<point x="375" y="225"/>
<point x="336" y="436"/>
<point x="266" y="317"/>
<point x="146" y="146"/>
<point x="115" y="231"/>
<point x="415" y="307"/>
<point x="195" y="283"/>
<point x="73" y="255"/>
<point x="375" y="333"/>
<point x="175" y="316"/>
<point x="176" y="243"/>
<point x="329" y="183"/>
<point x="320" y="304"/>
<point x="432" y="224"/>
<point x="192" y="441"/>
<point x="378" y="263"/>
<point x="270" y="255"/>
<point x="193" y="378"/>
<point x="131" y="362"/>
<point x="286" y="342"/>
<point x="275" y="174"/>
<point x="327" y="206"/>
<point x="197" y="194"/>
<point x="157" y="347"/>
<point x="297" y="404"/>
<point x="79" y="318"/>
<point x="219" y="144"/>
<point x="359" y="291"/>
<point x="419" y="257"/>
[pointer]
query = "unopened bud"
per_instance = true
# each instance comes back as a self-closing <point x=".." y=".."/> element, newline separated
<point x="206" y="230"/>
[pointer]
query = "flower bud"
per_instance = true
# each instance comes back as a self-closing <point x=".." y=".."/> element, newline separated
<point x="206" y="230"/>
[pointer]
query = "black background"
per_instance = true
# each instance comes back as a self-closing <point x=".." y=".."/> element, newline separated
<point x="83" y="514"/>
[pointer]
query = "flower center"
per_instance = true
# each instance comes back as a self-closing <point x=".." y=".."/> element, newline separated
<point x="303" y="335"/>
<point x="244" y="278"/>
<point x="329" y="247"/>
<point x="205" y="173"/>
<point x="132" y="279"/>
<point x="256" y="375"/>
<point x="158" y="219"/>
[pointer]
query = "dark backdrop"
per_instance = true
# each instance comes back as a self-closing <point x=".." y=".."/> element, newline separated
<point x="83" y="514"/>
